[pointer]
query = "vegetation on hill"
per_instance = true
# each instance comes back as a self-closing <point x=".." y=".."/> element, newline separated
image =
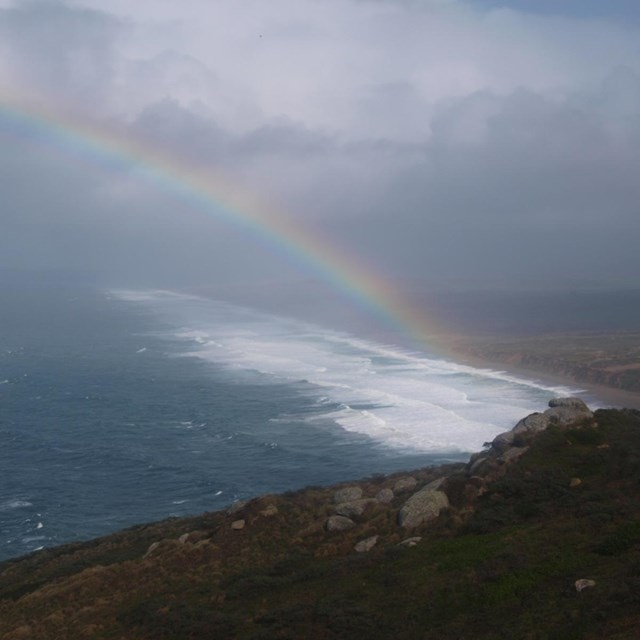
<point x="502" y="561"/>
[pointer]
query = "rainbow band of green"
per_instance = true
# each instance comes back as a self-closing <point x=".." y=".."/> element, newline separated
<point x="207" y="192"/>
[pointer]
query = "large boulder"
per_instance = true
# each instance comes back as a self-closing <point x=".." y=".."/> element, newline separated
<point x="422" y="507"/>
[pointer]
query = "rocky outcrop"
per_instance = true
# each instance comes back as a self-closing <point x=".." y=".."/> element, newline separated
<point x="561" y="411"/>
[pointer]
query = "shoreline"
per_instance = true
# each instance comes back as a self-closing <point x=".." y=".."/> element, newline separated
<point x="595" y="393"/>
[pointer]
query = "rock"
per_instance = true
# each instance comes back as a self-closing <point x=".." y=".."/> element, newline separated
<point x="502" y="442"/>
<point x="434" y="485"/>
<point x="270" y="511"/>
<point x="409" y="542"/>
<point x="183" y="538"/>
<point x="237" y="506"/>
<point x="477" y="481"/>
<point x="407" y="483"/>
<point x="354" y="508"/>
<point x="236" y="525"/>
<point x="366" y="545"/>
<point x="385" y="496"/>
<point x="564" y="411"/>
<point x="510" y="455"/>
<point x="533" y="423"/>
<point x="339" y="523"/>
<point x="422" y="507"/>
<point x="152" y="547"/>
<point x="348" y="494"/>
<point x="575" y="482"/>
<point x="584" y="583"/>
<point x="573" y="403"/>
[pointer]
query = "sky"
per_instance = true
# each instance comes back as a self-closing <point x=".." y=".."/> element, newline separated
<point x="446" y="144"/>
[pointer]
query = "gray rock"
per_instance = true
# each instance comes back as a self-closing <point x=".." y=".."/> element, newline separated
<point x="533" y="423"/>
<point x="152" y="547"/>
<point x="354" y="508"/>
<point x="237" y="506"/>
<point x="409" y="542"/>
<point x="339" y="523"/>
<point x="584" y="583"/>
<point x="510" y="455"/>
<point x="348" y="494"/>
<point x="385" y="496"/>
<point x="563" y="411"/>
<point x="434" y="485"/>
<point x="236" y="525"/>
<point x="270" y="511"/>
<point x="422" y="507"/>
<point x="573" y="403"/>
<point x="366" y="545"/>
<point x="407" y="483"/>
<point x="183" y="538"/>
<point x="502" y="442"/>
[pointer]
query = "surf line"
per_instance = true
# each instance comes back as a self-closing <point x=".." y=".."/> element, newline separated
<point x="214" y="195"/>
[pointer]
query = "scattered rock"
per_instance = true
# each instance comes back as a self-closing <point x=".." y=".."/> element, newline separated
<point x="270" y="511"/>
<point x="421" y="507"/>
<point x="405" y="484"/>
<point x="385" y="496"/>
<point x="603" y="446"/>
<point x="409" y="542"/>
<point x="347" y="494"/>
<point x="339" y="523"/>
<point x="183" y="538"/>
<point x="366" y="545"/>
<point x="354" y="508"/>
<point x="584" y="583"/>
<point x="236" y="525"/>
<point x="575" y="482"/>
<point x="152" y="547"/>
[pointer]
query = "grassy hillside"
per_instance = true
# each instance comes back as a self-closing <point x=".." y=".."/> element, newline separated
<point x="501" y="561"/>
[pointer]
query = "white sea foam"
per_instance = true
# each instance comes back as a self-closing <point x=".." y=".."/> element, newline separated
<point x="403" y="399"/>
<point x="14" y="504"/>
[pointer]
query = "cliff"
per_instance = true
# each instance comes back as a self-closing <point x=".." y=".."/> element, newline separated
<point x="538" y="536"/>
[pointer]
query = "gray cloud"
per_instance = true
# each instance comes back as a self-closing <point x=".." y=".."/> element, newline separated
<point x="439" y="141"/>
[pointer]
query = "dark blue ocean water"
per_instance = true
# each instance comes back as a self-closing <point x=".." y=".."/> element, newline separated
<point x="103" y="426"/>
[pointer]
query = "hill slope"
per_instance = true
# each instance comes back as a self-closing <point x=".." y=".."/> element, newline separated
<point x="522" y="525"/>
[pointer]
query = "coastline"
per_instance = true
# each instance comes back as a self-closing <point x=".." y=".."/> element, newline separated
<point x="592" y="393"/>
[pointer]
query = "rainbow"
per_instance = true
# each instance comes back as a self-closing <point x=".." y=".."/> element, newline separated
<point x="213" y="194"/>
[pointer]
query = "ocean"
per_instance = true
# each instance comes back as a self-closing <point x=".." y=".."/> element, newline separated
<point x="121" y="407"/>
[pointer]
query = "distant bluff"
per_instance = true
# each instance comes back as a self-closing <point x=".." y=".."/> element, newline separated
<point x="538" y="536"/>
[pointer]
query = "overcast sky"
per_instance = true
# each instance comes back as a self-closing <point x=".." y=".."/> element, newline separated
<point x="477" y="143"/>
